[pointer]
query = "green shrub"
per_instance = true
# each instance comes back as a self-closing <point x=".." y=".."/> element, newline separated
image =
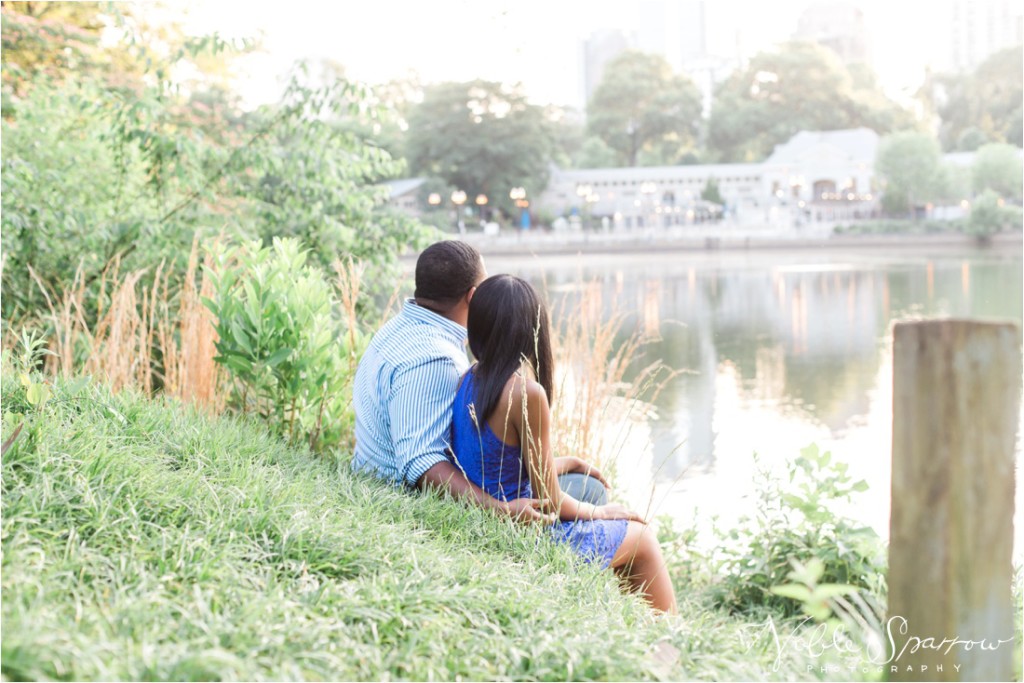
<point x="990" y="214"/>
<point x="283" y="341"/>
<point x="795" y="523"/>
<point x="895" y="226"/>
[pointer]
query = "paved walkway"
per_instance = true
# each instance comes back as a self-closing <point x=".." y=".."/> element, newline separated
<point x="711" y="237"/>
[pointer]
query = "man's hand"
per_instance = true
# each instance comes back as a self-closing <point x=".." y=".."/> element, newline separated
<point x="571" y="464"/>
<point x="529" y="511"/>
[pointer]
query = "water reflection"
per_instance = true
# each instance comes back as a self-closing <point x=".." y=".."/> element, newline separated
<point x="779" y="350"/>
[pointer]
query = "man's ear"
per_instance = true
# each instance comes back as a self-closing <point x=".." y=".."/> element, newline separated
<point x="469" y="295"/>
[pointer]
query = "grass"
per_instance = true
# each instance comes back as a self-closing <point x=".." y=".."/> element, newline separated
<point x="143" y="539"/>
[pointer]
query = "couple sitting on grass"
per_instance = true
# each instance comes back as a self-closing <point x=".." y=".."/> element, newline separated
<point x="425" y="418"/>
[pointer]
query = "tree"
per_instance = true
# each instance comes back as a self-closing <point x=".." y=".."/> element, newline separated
<point x="711" y="193"/>
<point x="49" y="38"/>
<point x="93" y="179"/>
<point x="799" y="86"/>
<point x="985" y="105"/>
<point x="641" y="106"/>
<point x="997" y="167"/>
<point x="909" y="165"/>
<point x="481" y="137"/>
<point x="594" y="153"/>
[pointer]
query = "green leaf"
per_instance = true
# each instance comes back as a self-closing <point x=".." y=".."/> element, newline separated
<point x="831" y="590"/>
<point x="860" y="487"/>
<point x="792" y="590"/>
<point x="240" y="336"/>
<point x="818" y="611"/>
<point x="278" y="357"/>
<point x="38" y="394"/>
<point x="807" y="574"/>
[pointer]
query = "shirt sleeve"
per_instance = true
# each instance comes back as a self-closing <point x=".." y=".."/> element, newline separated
<point x="420" y="410"/>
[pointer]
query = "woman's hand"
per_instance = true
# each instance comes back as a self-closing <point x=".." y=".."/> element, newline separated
<point x="571" y="464"/>
<point x="615" y="511"/>
<point x="529" y="510"/>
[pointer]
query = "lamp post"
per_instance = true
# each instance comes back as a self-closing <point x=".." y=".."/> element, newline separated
<point x="458" y="199"/>
<point x="518" y="195"/>
<point x="647" y="189"/>
<point x="584" y="192"/>
<point x="481" y="202"/>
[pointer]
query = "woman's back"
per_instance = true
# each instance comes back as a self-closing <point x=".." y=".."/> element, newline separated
<point x="487" y="461"/>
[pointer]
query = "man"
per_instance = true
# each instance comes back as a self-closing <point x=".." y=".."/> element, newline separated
<point x="407" y="379"/>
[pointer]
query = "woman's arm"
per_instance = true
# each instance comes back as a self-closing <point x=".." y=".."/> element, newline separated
<point x="535" y="439"/>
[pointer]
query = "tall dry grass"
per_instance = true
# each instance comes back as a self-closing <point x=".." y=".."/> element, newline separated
<point x="596" y="406"/>
<point x="348" y="283"/>
<point x="139" y="339"/>
<point x="118" y="346"/>
<point x="188" y="339"/>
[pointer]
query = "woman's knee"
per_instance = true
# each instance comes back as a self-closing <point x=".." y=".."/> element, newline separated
<point x="648" y="547"/>
<point x="636" y="546"/>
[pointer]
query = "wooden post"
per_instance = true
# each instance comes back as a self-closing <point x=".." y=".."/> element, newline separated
<point x="956" y="398"/>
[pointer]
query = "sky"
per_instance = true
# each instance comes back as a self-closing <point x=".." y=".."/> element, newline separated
<point x="535" y="42"/>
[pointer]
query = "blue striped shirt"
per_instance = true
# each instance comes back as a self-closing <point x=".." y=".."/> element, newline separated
<point x="403" y="394"/>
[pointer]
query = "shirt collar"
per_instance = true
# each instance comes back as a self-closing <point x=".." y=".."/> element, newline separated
<point x="451" y="329"/>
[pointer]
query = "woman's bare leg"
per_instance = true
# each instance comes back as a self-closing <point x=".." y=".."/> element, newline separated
<point x="639" y="560"/>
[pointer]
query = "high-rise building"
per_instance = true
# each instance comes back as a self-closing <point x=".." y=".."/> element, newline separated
<point x="599" y="49"/>
<point x="674" y="29"/>
<point x="982" y="27"/>
<point x="838" y="26"/>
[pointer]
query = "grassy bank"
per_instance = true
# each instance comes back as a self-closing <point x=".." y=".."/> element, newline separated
<point x="144" y="540"/>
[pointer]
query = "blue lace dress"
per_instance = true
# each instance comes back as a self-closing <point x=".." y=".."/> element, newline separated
<point x="499" y="470"/>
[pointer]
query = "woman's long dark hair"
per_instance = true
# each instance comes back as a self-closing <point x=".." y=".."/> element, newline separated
<point x="508" y="324"/>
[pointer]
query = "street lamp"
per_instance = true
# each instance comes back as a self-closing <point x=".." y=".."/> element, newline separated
<point x="518" y="195"/>
<point x="434" y="199"/>
<point x="458" y="199"/>
<point x="647" y="189"/>
<point x="584" y="191"/>
<point x="481" y="202"/>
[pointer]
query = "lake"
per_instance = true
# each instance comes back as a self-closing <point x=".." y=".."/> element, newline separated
<point x="777" y="350"/>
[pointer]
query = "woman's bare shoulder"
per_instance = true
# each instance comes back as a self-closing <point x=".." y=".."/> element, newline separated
<point x="520" y="389"/>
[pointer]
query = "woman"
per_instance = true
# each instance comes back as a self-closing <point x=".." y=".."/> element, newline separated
<point x="501" y="437"/>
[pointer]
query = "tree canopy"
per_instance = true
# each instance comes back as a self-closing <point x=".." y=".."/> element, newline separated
<point x="481" y="137"/>
<point x="645" y="112"/>
<point x="799" y="86"/>
<point x="909" y="166"/>
<point x="983" y="106"/>
<point x="97" y="177"/>
<point x="997" y="167"/>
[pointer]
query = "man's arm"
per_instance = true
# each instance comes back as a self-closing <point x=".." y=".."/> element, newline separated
<point x="446" y="477"/>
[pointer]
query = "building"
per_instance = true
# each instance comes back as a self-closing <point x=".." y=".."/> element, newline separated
<point x="599" y="49"/>
<point x="838" y="26"/>
<point x="820" y="175"/>
<point x="404" y="194"/>
<point x="673" y="29"/>
<point x="980" y="28"/>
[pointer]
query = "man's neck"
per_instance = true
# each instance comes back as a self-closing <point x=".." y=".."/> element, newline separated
<point x="454" y="314"/>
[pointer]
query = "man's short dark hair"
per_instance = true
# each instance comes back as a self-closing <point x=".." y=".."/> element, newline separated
<point x="445" y="271"/>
